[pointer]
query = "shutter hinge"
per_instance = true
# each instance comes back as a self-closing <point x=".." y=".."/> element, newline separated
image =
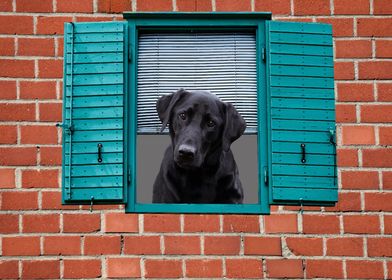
<point x="263" y="54"/>
<point x="129" y="176"/>
<point x="69" y="128"/>
<point x="265" y="175"/>
<point x="130" y="53"/>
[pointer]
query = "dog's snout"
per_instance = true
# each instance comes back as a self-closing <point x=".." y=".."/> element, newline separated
<point x="186" y="151"/>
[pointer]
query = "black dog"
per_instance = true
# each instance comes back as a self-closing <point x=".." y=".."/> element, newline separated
<point x="198" y="166"/>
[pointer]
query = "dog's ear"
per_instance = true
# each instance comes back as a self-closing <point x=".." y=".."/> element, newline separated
<point x="234" y="127"/>
<point x="165" y="105"/>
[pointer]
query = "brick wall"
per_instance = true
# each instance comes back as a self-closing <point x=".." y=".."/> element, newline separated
<point x="40" y="238"/>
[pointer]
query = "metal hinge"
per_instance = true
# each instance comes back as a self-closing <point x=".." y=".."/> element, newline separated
<point x="68" y="128"/>
<point x="265" y="175"/>
<point x="263" y="53"/>
<point x="130" y="53"/>
<point x="129" y="176"/>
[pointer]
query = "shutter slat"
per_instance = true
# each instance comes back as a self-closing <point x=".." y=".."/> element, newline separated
<point x="301" y="114"/>
<point x="222" y="63"/>
<point x="94" y="91"/>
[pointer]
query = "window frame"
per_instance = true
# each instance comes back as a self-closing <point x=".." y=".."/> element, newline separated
<point x="186" y="22"/>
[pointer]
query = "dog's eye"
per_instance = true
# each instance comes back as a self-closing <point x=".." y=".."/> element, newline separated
<point x="211" y="123"/>
<point x="182" y="116"/>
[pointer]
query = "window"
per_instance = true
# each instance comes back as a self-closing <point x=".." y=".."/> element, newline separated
<point x="278" y="75"/>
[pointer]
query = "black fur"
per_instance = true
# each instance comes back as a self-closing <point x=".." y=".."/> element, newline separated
<point x="198" y="166"/>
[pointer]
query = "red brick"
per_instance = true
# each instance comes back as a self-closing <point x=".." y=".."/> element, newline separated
<point x="378" y="202"/>
<point x="45" y="269"/>
<point x="382" y="7"/>
<point x="348" y="92"/>
<point x="376" y="113"/>
<point x="241" y="223"/>
<point x="36" y="47"/>
<point x="8" y="135"/>
<point x="9" y="269"/>
<point x="347" y="202"/>
<point x="311" y="7"/>
<point x="389" y="269"/>
<point x="123" y="267"/>
<point x="78" y="269"/>
<point x="346" y="113"/>
<point x="19" y="201"/>
<point x="358" y="135"/>
<point x="205" y="268"/>
<point x="7" y="178"/>
<point x="377" y="158"/>
<point x="387" y="180"/>
<point x="384" y="92"/>
<point x="222" y="245"/>
<point x="28" y="6"/>
<point x="228" y="5"/>
<point x="50" y="68"/>
<point x="163" y="268"/>
<point x="50" y="112"/>
<point x="346" y="7"/>
<point x="18" y="156"/>
<point x="353" y="49"/>
<point x="357" y="224"/>
<point x="21" y="246"/>
<point x="19" y="68"/>
<point x="9" y="223"/>
<point x="385" y="135"/>
<point x="74" y="6"/>
<point x="81" y="223"/>
<point x="91" y="18"/>
<point x="344" y="71"/>
<point x="154" y="5"/>
<point x="359" y="269"/>
<point x="6" y="6"/>
<point x="52" y="201"/>
<point x="320" y="224"/>
<point x="8" y="90"/>
<point x="161" y="223"/>
<point x="277" y="7"/>
<point x="7" y="46"/>
<point x="50" y="156"/>
<point x="265" y="246"/>
<point x="201" y="223"/>
<point x="374" y="27"/>
<point x="379" y="247"/>
<point x="121" y="222"/>
<point x="388" y="224"/>
<point x="284" y="268"/>
<point x="347" y="157"/>
<point x="345" y="247"/>
<point x="281" y="223"/>
<point x="369" y="70"/>
<point x="8" y="26"/>
<point x="41" y="223"/>
<point x="182" y="245"/>
<point x="342" y="27"/>
<point x="102" y="245"/>
<point x="40" y="178"/>
<point x="34" y="134"/>
<point x="383" y="49"/>
<point x="17" y="112"/>
<point x="194" y="5"/>
<point x="37" y="90"/>
<point x="142" y="245"/>
<point x="324" y="269"/>
<point x="305" y="246"/>
<point x="244" y="268"/>
<point x="62" y="245"/>
<point x="109" y="6"/>
<point x="51" y="25"/>
<point x="359" y="180"/>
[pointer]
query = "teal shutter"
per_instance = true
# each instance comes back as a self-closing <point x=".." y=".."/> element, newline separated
<point x="301" y="114"/>
<point x="95" y="66"/>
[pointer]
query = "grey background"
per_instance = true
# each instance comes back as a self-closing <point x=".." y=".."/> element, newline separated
<point x="150" y="149"/>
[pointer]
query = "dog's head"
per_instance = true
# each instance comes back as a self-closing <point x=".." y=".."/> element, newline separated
<point x="199" y="124"/>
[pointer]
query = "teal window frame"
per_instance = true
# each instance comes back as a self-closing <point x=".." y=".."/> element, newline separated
<point x="186" y="22"/>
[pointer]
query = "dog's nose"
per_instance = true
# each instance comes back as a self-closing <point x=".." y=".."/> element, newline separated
<point x="186" y="151"/>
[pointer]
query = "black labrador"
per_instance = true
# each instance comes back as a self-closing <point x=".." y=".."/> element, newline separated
<point x="198" y="166"/>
